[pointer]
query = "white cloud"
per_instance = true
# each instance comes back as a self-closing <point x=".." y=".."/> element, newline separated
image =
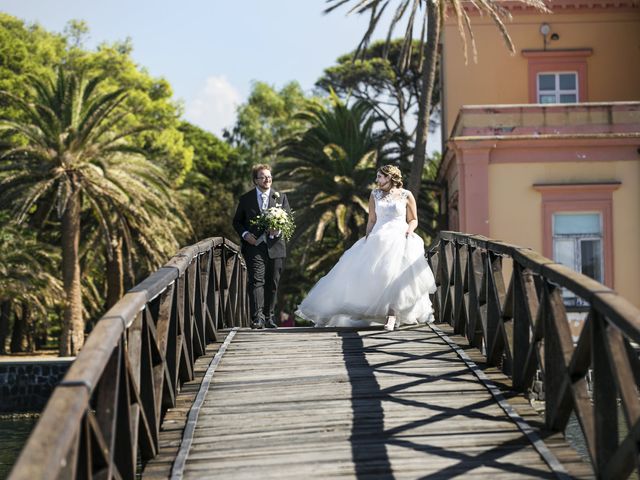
<point x="214" y="106"/>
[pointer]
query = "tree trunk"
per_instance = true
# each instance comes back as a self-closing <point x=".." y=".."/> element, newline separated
<point x="72" y="336"/>
<point x="115" y="274"/>
<point x="40" y="330"/>
<point x="30" y="323"/>
<point x="19" y="340"/>
<point x="428" y="81"/>
<point x="5" y="317"/>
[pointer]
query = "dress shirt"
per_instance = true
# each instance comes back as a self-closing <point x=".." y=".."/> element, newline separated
<point x="260" y="192"/>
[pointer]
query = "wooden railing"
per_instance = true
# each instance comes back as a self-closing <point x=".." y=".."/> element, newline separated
<point x="520" y="322"/>
<point x="103" y="420"/>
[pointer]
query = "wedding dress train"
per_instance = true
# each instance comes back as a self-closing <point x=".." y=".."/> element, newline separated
<point x="384" y="273"/>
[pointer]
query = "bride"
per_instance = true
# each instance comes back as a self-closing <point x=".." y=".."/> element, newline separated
<point x="384" y="275"/>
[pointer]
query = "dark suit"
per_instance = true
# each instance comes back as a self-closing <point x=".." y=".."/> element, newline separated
<point x="264" y="261"/>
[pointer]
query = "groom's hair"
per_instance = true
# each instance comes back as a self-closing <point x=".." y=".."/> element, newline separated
<point x="255" y="170"/>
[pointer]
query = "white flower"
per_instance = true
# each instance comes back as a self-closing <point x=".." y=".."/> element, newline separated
<point x="276" y="218"/>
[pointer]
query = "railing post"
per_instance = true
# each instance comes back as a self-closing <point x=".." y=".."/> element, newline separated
<point x="495" y="294"/>
<point x="521" y="325"/>
<point x="474" y="282"/>
<point x="459" y="311"/>
<point x="558" y="350"/>
<point x="605" y="400"/>
<point x="446" y="279"/>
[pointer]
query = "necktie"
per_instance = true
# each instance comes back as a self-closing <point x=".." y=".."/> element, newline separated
<point x="265" y="202"/>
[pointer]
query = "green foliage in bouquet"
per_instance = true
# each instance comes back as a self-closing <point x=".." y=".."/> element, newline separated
<point x="276" y="218"/>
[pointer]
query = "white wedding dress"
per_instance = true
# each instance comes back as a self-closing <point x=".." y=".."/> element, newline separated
<point x="386" y="272"/>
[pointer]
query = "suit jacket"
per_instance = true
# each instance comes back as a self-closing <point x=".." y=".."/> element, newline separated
<point x="248" y="209"/>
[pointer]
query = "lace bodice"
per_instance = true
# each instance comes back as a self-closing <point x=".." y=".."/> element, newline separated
<point x="391" y="206"/>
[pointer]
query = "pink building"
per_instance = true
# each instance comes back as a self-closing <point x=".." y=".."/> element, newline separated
<point x="543" y="147"/>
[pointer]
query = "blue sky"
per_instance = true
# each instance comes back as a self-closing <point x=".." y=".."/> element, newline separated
<point x="211" y="50"/>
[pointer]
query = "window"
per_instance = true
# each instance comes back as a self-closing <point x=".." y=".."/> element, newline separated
<point x="554" y="63"/>
<point x="577" y="229"/>
<point x="559" y="87"/>
<point x="577" y="243"/>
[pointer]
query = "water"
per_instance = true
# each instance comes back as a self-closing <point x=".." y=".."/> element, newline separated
<point x="14" y="431"/>
<point x="574" y="436"/>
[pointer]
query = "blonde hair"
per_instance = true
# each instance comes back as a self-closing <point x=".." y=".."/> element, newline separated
<point x="393" y="173"/>
<point x="255" y="170"/>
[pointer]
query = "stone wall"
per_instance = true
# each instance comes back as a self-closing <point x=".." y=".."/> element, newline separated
<point x="25" y="385"/>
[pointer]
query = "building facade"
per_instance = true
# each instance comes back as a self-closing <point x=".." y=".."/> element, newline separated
<point x="542" y="148"/>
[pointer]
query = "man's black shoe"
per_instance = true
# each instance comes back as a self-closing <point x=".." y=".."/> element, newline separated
<point x="257" y="325"/>
<point x="270" y="324"/>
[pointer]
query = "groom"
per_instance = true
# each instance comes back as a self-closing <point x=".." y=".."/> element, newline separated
<point x="264" y="254"/>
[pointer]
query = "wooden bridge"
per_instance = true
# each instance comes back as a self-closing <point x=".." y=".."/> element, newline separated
<point x="171" y="383"/>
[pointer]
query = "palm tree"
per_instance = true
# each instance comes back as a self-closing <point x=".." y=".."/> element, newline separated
<point x="28" y="285"/>
<point x="392" y="89"/>
<point x="433" y="15"/>
<point x="67" y="152"/>
<point x="143" y="225"/>
<point x="332" y="165"/>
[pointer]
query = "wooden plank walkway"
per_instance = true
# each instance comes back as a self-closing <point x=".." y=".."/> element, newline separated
<point x="353" y="404"/>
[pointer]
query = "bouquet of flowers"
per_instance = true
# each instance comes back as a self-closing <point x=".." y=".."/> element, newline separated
<point x="275" y="218"/>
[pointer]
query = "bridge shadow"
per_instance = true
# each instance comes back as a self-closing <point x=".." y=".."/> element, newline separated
<point x="368" y="439"/>
<point x="372" y="441"/>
